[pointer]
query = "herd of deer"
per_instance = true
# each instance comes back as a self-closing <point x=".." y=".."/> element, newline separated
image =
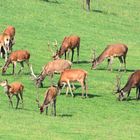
<point x="62" y="66"/>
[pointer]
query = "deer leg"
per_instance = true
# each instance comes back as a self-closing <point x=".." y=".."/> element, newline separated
<point x="72" y="55"/>
<point x="47" y="110"/>
<point x="124" y="61"/>
<point x="54" y="105"/>
<point x="139" y="93"/>
<point x="10" y="100"/>
<point x="77" y="54"/>
<point x="86" y="88"/>
<point x="21" y="93"/>
<point x="21" y="68"/>
<point x="51" y="79"/>
<point x="70" y="89"/>
<point x="17" y="100"/>
<point x="65" y="55"/>
<point x="108" y="63"/>
<point x="14" y="66"/>
<point x="121" y="62"/>
<point x="111" y="61"/>
<point x="83" y="88"/>
<point x="6" y="53"/>
<point x="73" y="87"/>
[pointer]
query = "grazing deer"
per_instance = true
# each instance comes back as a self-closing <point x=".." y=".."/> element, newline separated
<point x="20" y="56"/>
<point x="73" y="75"/>
<point x="69" y="43"/>
<point x="50" y="98"/>
<point x="14" y="88"/>
<point x="55" y="66"/>
<point x="133" y="82"/>
<point x="10" y="31"/>
<point x="111" y="51"/>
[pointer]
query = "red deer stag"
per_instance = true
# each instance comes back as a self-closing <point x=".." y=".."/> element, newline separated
<point x="55" y="66"/>
<point x="133" y="82"/>
<point x="20" y="56"/>
<point x="73" y="75"/>
<point x="50" y="98"/>
<point x="111" y="51"/>
<point x="69" y="43"/>
<point x="14" y="88"/>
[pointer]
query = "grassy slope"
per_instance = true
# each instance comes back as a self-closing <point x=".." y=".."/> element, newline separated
<point x="98" y="117"/>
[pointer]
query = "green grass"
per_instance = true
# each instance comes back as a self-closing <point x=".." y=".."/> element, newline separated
<point x="100" y="117"/>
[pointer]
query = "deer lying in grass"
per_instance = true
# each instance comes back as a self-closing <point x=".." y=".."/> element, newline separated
<point x="20" y="56"/>
<point x="50" y="99"/>
<point x="55" y="66"/>
<point x="133" y="82"/>
<point x="111" y="51"/>
<point x="73" y="75"/>
<point x="69" y="43"/>
<point x="14" y="88"/>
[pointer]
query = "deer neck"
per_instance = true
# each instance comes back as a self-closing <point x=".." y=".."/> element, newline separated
<point x="127" y="87"/>
<point x="101" y="58"/>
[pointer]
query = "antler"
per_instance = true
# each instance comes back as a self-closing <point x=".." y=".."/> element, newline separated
<point x="56" y="45"/>
<point x="49" y="48"/>
<point x="118" y="83"/>
<point x="32" y="73"/>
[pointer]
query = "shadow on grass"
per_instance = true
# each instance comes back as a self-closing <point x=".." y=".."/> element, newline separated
<point x="51" y="1"/>
<point x="103" y="12"/>
<point x="64" y="115"/>
<point x="81" y="62"/>
<point x="114" y="70"/>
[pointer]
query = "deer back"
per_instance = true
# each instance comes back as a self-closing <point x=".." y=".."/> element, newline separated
<point x="10" y="30"/>
<point x="19" y="55"/>
<point x="16" y="87"/>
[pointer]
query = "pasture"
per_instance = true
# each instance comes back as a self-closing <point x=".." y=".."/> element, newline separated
<point x="101" y="116"/>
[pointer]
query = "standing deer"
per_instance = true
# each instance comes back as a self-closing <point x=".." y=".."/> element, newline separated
<point x="69" y="43"/>
<point x="50" y="98"/>
<point x="133" y="82"/>
<point x="14" y="88"/>
<point x="111" y="51"/>
<point x="4" y="45"/>
<point x="10" y="31"/>
<point x="20" y="56"/>
<point x="73" y="75"/>
<point x="55" y="66"/>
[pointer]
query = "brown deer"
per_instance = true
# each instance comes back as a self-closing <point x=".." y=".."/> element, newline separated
<point x="55" y="66"/>
<point x="50" y="98"/>
<point x="111" y="51"/>
<point x="10" y="31"/>
<point x="4" y="45"/>
<point x="69" y="43"/>
<point x="20" y="56"/>
<point x="73" y="75"/>
<point x="133" y="82"/>
<point x="15" y="88"/>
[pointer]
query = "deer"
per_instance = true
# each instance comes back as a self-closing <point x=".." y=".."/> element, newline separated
<point x="13" y="89"/>
<point x="132" y="82"/>
<point x="20" y="56"/>
<point x="10" y="31"/>
<point x="4" y="45"/>
<point x="110" y="52"/>
<point x="52" y="67"/>
<point x="73" y="75"/>
<point x="49" y="99"/>
<point x="69" y="44"/>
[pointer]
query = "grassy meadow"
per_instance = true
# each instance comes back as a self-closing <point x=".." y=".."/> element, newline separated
<point x="99" y="117"/>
